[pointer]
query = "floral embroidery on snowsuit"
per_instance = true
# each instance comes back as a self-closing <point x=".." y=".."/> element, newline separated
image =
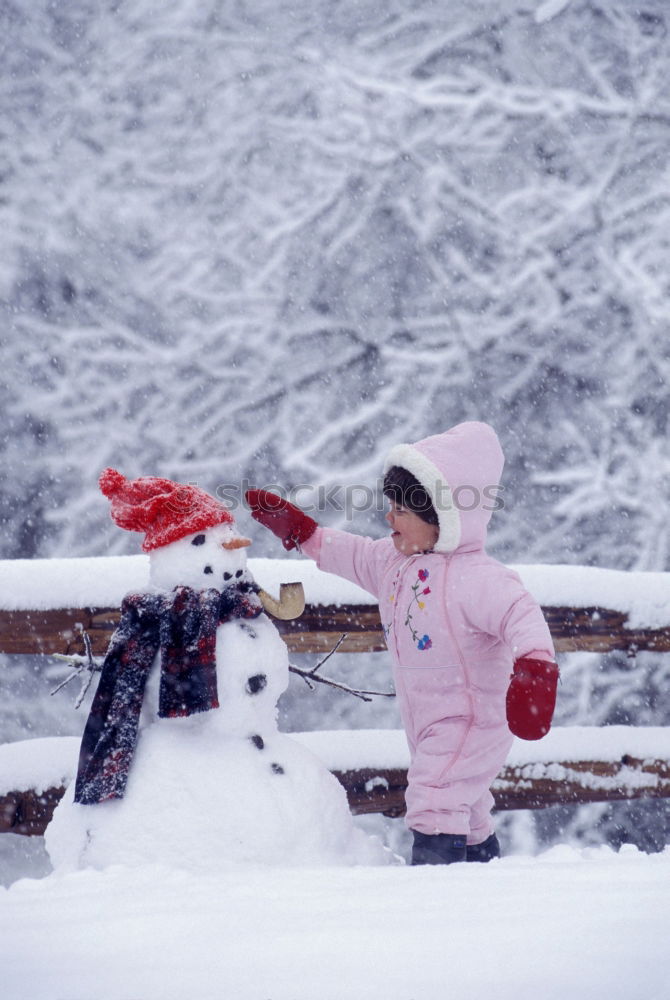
<point x="424" y="641"/>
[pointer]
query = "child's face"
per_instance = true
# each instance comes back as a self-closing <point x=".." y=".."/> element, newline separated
<point x="411" y="534"/>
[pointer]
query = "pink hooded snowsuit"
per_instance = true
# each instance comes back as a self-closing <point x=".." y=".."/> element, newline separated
<point x="455" y="620"/>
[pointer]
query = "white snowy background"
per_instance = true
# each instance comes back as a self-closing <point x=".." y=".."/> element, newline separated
<point x="263" y="241"/>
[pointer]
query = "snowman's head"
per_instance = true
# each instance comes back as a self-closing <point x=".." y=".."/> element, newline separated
<point x="190" y="536"/>
<point x="215" y="557"/>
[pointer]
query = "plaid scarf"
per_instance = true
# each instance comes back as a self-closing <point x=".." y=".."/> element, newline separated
<point x="182" y="625"/>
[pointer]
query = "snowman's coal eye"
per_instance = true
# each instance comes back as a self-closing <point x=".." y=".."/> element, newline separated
<point x="198" y="540"/>
<point x="239" y="572"/>
<point x="227" y="576"/>
<point x="208" y="569"/>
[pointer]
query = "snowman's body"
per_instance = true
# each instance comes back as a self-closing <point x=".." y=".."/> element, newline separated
<point x="224" y="786"/>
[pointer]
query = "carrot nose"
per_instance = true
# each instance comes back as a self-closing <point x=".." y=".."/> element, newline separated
<point x="236" y="543"/>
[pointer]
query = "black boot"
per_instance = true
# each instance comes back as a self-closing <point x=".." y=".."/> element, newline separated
<point x="438" y="848"/>
<point x="486" y="851"/>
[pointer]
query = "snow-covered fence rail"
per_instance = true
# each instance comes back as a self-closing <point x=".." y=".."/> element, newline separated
<point x="574" y="764"/>
<point x="570" y="765"/>
<point x="45" y="604"/>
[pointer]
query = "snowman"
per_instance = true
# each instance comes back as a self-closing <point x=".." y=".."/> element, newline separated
<point x="181" y="761"/>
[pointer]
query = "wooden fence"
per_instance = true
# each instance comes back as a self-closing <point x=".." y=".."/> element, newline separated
<point x="596" y="630"/>
<point x="373" y="789"/>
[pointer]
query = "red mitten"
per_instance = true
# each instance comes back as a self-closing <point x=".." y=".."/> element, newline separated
<point x="284" y="519"/>
<point x="531" y="697"/>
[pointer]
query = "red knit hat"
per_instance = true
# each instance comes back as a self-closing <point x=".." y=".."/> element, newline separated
<point x="166" y="511"/>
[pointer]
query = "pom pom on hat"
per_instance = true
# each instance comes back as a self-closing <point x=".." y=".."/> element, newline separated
<point x="164" y="510"/>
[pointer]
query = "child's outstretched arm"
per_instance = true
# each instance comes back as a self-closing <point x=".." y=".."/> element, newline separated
<point x="353" y="557"/>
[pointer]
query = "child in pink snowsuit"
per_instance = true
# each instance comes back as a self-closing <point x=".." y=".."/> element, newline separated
<point x="457" y="623"/>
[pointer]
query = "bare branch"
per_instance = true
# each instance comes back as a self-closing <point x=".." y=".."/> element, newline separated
<point x="328" y="655"/>
<point x="311" y="675"/>
<point x="84" y="666"/>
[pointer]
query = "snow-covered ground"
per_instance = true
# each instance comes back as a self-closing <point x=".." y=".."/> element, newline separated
<point x="585" y="925"/>
<point x="588" y="924"/>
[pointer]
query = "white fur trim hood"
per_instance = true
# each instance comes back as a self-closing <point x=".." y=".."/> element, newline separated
<point x="460" y="469"/>
<point x="408" y="457"/>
